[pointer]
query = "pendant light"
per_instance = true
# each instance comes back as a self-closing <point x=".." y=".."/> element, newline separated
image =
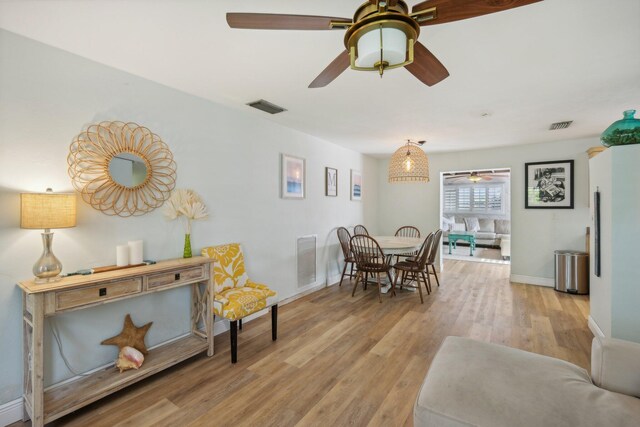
<point x="409" y="164"/>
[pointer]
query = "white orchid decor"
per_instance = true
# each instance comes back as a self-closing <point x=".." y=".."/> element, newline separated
<point x="187" y="204"/>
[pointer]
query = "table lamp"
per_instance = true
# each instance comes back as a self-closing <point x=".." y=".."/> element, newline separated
<point x="47" y="210"/>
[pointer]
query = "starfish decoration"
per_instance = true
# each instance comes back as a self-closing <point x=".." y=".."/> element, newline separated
<point x="131" y="336"/>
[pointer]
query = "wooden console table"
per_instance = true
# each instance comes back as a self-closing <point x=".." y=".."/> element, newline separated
<point x="82" y="292"/>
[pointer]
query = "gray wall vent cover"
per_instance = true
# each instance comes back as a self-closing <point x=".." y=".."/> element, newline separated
<point x="266" y="106"/>
<point x="560" y="125"/>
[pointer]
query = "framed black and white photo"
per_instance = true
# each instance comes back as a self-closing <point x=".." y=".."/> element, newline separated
<point x="331" y="182"/>
<point x="549" y="185"/>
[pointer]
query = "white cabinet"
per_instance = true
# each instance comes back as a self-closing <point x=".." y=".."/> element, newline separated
<point x="615" y="295"/>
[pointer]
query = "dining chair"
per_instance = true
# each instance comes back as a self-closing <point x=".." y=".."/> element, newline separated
<point x="415" y="269"/>
<point x="360" y="229"/>
<point x="407" y="231"/>
<point x="236" y="296"/>
<point x="345" y="240"/>
<point x="369" y="260"/>
<point x="432" y="254"/>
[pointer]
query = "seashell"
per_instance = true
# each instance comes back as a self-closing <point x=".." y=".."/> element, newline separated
<point x="129" y="358"/>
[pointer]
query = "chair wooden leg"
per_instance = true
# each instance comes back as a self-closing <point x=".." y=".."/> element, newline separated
<point x="351" y="274"/>
<point x="274" y="322"/>
<point x="344" y="270"/>
<point x="233" y="326"/>
<point x="366" y="280"/>
<point x="379" y="288"/>
<point x="435" y="274"/>
<point x="420" y="288"/>
<point x="240" y="324"/>
<point x="355" y="285"/>
<point x="427" y="282"/>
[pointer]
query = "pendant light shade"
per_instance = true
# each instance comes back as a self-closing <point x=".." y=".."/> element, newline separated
<point x="409" y="164"/>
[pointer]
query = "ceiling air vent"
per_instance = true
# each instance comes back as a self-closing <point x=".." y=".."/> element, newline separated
<point x="266" y="106"/>
<point x="560" y="125"/>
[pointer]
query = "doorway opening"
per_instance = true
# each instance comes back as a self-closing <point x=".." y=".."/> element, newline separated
<point x="475" y="212"/>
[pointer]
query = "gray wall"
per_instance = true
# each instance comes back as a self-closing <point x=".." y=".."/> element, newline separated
<point x="231" y="158"/>
<point x="535" y="234"/>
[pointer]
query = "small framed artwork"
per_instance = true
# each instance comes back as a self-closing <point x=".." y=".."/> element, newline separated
<point x="549" y="185"/>
<point x="331" y="182"/>
<point x="356" y="185"/>
<point x="292" y="176"/>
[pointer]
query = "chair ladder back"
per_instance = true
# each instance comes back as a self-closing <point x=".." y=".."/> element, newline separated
<point x="360" y="229"/>
<point x="425" y="251"/>
<point x="408" y="231"/>
<point x="368" y="254"/>
<point x="345" y="238"/>
<point x="435" y="246"/>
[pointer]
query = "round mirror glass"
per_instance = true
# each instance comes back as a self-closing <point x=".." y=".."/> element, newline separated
<point x="128" y="170"/>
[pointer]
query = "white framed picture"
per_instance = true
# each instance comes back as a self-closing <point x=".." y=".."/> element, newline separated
<point x="331" y="182"/>
<point x="356" y="185"/>
<point x="292" y="177"/>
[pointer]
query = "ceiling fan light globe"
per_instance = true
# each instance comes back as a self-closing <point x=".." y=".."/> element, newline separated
<point x="394" y="47"/>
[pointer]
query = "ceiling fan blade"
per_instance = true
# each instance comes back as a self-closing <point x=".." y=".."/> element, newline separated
<point x="485" y="177"/>
<point x="425" y="66"/>
<point x="271" y="21"/>
<point x="332" y="71"/>
<point x="455" y="10"/>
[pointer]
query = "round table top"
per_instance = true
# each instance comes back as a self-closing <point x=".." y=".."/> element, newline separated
<point x="397" y="244"/>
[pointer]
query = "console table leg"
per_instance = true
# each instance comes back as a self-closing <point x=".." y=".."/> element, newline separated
<point x="33" y="338"/>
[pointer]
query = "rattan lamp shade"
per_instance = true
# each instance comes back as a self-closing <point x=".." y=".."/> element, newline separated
<point x="409" y="164"/>
<point x="47" y="210"/>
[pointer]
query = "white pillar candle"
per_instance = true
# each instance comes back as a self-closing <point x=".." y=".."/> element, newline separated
<point x="135" y="252"/>
<point x="122" y="255"/>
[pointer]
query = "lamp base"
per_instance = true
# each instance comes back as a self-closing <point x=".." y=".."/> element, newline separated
<point x="45" y="280"/>
<point x="48" y="268"/>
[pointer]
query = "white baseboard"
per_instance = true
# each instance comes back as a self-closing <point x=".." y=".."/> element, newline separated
<point x="594" y="328"/>
<point x="11" y="412"/>
<point x="531" y="280"/>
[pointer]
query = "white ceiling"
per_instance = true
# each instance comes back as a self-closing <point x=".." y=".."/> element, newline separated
<point x="513" y="73"/>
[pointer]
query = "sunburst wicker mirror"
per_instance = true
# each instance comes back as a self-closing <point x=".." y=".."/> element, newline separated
<point x="121" y="168"/>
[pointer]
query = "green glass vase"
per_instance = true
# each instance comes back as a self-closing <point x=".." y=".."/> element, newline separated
<point x="187" y="246"/>
<point x="622" y="132"/>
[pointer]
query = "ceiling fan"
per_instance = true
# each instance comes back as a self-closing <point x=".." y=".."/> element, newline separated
<point x="382" y="35"/>
<point x="476" y="176"/>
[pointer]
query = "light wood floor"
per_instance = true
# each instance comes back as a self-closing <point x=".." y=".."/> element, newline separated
<point x="349" y="361"/>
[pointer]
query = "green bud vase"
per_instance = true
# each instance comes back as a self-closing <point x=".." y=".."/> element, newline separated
<point x="623" y="132"/>
<point x="187" y="246"/>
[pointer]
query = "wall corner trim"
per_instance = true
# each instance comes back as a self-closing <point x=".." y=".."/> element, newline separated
<point x="594" y="328"/>
<point x="11" y="412"/>
<point x="531" y="280"/>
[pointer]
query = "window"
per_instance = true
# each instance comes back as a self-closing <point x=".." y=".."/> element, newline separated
<point x="473" y="198"/>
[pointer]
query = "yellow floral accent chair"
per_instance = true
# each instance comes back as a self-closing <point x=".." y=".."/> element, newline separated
<point x="235" y="295"/>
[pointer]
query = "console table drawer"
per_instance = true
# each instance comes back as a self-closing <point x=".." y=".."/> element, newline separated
<point x="106" y="291"/>
<point x="175" y="277"/>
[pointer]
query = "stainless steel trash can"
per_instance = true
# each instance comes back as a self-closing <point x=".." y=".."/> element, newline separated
<point x="572" y="272"/>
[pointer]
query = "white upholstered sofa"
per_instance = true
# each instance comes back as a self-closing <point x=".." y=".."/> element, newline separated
<point x="473" y="383"/>
<point x="488" y="231"/>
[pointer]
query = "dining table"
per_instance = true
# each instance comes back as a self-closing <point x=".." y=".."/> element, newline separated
<point x="397" y="245"/>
